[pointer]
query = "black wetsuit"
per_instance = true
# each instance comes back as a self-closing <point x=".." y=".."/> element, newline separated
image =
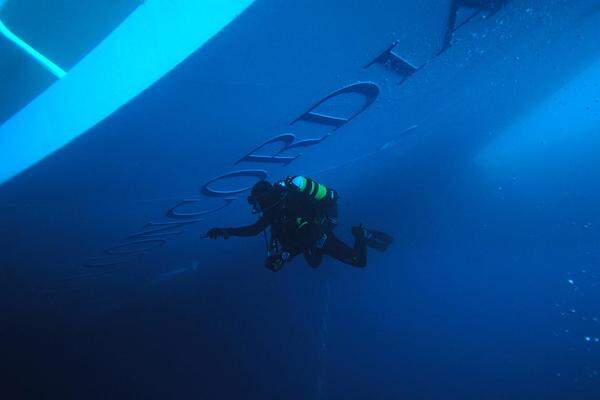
<point x="303" y="226"/>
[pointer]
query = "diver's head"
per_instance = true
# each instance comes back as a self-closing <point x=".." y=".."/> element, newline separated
<point x="264" y="196"/>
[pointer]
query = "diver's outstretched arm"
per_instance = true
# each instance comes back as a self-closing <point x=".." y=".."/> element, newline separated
<point x="248" y="230"/>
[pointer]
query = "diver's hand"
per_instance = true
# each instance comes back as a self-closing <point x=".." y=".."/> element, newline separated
<point x="215" y="233"/>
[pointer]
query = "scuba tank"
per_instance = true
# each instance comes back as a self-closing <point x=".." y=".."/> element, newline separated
<point x="310" y="188"/>
<point x="316" y="193"/>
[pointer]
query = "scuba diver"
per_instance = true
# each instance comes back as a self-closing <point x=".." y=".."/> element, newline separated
<point x="302" y="214"/>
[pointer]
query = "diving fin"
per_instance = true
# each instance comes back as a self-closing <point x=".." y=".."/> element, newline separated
<point x="376" y="239"/>
<point x="379" y="240"/>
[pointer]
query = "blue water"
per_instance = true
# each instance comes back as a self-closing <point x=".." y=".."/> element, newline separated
<point x="479" y="155"/>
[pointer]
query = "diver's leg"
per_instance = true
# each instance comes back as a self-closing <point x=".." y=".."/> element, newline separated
<point x="331" y="212"/>
<point x="357" y="256"/>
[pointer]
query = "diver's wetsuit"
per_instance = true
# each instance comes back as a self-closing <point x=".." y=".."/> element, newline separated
<point x="339" y="250"/>
<point x="303" y="223"/>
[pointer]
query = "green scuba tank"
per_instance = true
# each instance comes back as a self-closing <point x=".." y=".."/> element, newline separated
<point x="311" y="188"/>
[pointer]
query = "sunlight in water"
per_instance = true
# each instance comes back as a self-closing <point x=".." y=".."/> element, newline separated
<point x="39" y="57"/>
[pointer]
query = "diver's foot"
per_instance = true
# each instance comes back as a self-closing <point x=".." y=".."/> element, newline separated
<point x="359" y="231"/>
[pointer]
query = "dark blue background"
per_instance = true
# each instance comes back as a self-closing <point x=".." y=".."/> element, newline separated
<point x="472" y="301"/>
